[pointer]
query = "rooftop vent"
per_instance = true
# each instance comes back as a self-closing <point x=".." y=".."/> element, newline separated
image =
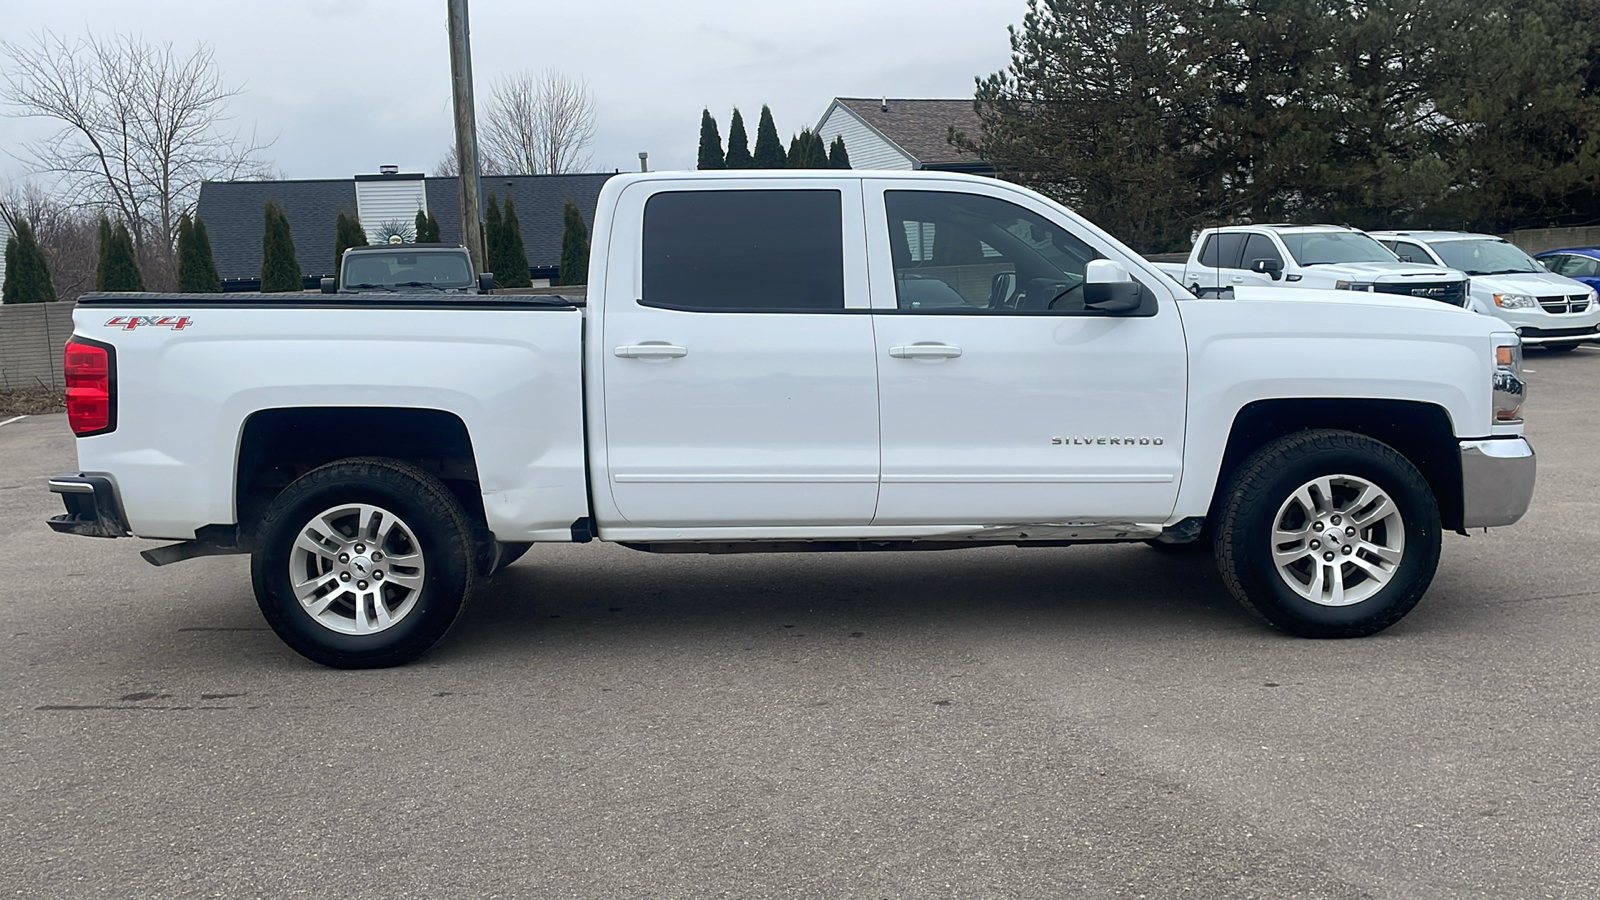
<point x="388" y="170"/>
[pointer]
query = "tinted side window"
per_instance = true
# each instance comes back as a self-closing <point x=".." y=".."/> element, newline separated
<point x="760" y="251"/>
<point x="1411" y="253"/>
<point x="1222" y="251"/>
<point x="1259" y="246"/>
<point x="971" y="253"/>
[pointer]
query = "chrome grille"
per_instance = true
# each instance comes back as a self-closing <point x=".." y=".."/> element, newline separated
<point x="1561" y="305"/>
<point x="1451" y="292"/>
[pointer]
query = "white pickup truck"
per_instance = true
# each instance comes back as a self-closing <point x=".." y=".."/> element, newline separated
<point x="1318" y="257"/>
<point x="793" y="361"/>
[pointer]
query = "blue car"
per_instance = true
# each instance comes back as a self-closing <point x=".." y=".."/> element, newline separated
<point x="1580" y="263"/>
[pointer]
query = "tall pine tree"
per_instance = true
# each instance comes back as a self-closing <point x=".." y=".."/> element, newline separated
<point x="280" y="269"/>
<point x="769" y="149"/>
<point x="119" y="267"/>
<point x="738" y="144"/>
<point x="27" y="268"/>
<point x="574" y="245"/>
<point x="202" y="243"/>
<point x="191" y="269"/>
<point x="710" y="143"/>
<point x="347" y="233"/>
<point x="102" y="247"/>
<point x="516" y="251"/>
<point x="494" y="236"/>
<point x="838" y="157"/>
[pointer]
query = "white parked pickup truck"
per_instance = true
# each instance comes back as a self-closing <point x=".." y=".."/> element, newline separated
<point x="1309" y="256"/>
<point x="1547" y="310"/>
<point x="793" y="361"/>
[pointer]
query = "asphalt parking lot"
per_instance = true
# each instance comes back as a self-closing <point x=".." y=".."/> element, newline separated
<point x="1012" y="723"/>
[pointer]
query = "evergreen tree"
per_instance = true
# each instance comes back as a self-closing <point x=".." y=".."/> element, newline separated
<point x="769" y="149"/>
<point x="807" y="152"/>
<point x="280" y="269"/>
<point x="27" y="268"/>
<point x="191" y="271"/>
<point x="427" y="228"/>
<point x="210" y="282"/>
<point x="103" y="247"/>
<point x="838" y="157"/>
<point x="574" y="245"/>
<point x="433" y="228"/>
<point x="738" y="144"/>
<point x="347" y="233"/>
<point x="516" y="252"/>
<point x="710" y="143"/>
<point x="119" y="265"/>
<point x="494" y="238"/>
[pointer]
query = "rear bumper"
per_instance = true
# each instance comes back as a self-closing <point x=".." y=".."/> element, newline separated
<point x="93" y="507"/>
<point x="1496" y="481"/>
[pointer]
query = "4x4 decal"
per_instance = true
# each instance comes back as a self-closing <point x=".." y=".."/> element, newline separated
<point x="129" y="323"/>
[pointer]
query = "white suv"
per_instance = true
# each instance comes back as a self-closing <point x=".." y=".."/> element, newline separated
<point x="1547" y="309"/>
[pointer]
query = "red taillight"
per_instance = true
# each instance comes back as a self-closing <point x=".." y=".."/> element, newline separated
<point x="90" y="406"/>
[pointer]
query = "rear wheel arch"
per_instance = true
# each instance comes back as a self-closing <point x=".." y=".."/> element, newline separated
<point x="1421" y="432"/>
<point x="278" y="446"/>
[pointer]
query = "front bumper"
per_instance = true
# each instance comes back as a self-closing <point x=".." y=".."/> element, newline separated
<point x="1533" y="337"/>
<point x="93" y="507"/>
<point x="1496" y="481"/>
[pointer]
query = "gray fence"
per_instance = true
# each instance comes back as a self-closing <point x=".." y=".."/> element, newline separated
<point x="31" y="336"/>
<point x="1538" y="240"/>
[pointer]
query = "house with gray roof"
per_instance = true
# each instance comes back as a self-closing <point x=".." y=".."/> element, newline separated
<point x="893" y="133"/>
<point x="234" y="213"/>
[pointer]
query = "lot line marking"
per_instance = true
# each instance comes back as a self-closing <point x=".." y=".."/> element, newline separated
<point x="13" y="419"/>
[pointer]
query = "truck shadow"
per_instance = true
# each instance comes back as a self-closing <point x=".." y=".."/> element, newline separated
<point x="613" y="594"/>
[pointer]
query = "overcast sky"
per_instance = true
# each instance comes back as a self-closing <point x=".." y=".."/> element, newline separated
<point x="346" y="85"/>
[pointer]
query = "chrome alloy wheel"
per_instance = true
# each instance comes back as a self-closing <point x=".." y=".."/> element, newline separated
<point x="1337" y="540"/>
<point x="356" y="569"/>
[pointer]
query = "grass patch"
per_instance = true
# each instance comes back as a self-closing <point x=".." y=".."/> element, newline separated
<point x="30" y="402"/>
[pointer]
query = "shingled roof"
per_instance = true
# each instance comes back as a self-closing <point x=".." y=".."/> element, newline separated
<point x="234" y="215"/>
<point x="920" y="127"/>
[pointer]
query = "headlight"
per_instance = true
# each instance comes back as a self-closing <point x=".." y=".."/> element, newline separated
<point x="1352" y="286"/>
<point x="1515" y="301"/>
<point x="1509" y="389"/>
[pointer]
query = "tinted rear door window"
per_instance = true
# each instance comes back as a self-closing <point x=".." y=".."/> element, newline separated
<point x="1222" y="251"/>
<point x="744" y="250"/>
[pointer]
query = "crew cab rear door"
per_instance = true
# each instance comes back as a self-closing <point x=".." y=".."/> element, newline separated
<point x="1003" y="400"/>
<point x="740" y="385"/>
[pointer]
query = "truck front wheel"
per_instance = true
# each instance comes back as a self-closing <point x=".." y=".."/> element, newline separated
<point x="1328" y="534"/>
<point x="363" y="563"/>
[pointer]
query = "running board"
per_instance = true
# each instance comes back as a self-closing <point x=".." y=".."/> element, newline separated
<point x="166" y="556"/>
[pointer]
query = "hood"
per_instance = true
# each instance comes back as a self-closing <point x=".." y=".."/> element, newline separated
<point x="1364" y="299"/>
<point x="1538" y="284"/>
<point x="1386" y="272"/>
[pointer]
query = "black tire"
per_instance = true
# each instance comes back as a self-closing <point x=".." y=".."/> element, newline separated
<point x="1561" y="348"/>
<point x="432" y="526"/>
<point x="1261" y="493"/>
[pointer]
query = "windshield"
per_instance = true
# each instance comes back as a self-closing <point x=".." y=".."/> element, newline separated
<point x="390" y="271"/>
<point x="1485" y="257"/>
<point x="1316" y="248"/>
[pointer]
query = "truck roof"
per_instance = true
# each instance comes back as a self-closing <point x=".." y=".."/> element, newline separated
<point x="1434" y="237"/>
<point x="408" y="248"/>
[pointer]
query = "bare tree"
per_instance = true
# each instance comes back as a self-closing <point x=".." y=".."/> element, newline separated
<point x="66" y="234"/>
<point x="539" y="123"/>
<point x="450" y="167"/>
<point x="142" y="125"/>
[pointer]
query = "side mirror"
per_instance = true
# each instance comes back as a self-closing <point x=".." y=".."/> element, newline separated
<point x="330" y="285"/>
<point x="1107" y="287"/>
<point x="485" y="282"/>
<point x="1271" y="267"/>
<point x="1002" y="289"/>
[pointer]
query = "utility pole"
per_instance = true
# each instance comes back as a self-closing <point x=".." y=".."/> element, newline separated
<point x="470" y="193"/>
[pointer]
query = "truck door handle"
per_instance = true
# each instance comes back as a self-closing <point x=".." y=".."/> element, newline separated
<point x="1238" y="279"/>
<point x="650" y="350"/>
<point x="924" y="351"/>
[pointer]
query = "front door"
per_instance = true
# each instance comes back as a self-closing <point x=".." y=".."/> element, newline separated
<point x="739" y="387"/>
<point x="1003" y="400"/>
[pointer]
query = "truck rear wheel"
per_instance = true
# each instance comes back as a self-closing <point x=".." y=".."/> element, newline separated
<point x="1328" y="534"/>
<point x="363" y="563"/>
